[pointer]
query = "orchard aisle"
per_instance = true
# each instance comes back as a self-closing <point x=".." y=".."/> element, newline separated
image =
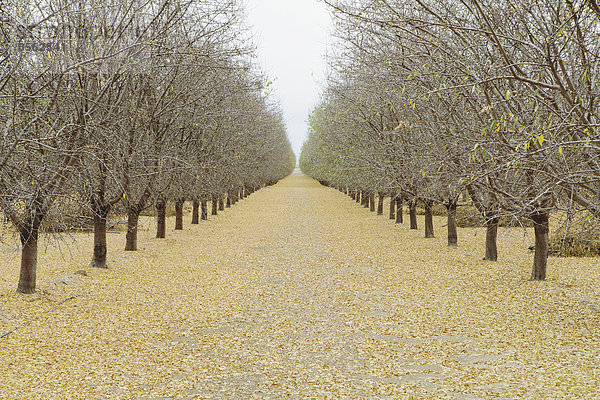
<point x="297" y="292"/>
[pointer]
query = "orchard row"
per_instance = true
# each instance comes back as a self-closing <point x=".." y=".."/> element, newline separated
<point x="142" y="103"/>
<point x="495" y="102"/>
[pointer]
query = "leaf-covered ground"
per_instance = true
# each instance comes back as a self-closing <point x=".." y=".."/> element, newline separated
<point x="298" y="292"/>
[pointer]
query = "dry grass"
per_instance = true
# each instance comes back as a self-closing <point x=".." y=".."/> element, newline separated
<point x="297" y="292"/>
<point x="467" y="216"/>
<point x="577" y="236"/>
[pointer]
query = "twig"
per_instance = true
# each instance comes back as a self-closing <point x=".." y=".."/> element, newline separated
<point x="36" y="318"/>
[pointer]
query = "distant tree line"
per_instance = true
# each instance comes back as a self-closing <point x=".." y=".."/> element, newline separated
<point x="122" y="105"/>
<point x="435" y="101"/>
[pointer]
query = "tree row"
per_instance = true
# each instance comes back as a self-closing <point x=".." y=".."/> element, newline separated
<point x="123" y="105"/>
<point x="439" y="101"/>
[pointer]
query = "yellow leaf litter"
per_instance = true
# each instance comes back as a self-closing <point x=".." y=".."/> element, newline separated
<point x="298" y="292"/>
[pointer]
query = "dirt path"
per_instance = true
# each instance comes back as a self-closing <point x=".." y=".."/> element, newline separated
<point x="297" y="292"/>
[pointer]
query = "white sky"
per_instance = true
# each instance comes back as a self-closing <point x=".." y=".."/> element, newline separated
<point x="291" y="36"/>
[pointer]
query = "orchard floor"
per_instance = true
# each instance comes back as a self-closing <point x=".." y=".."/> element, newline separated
<point x="298" y="292"/>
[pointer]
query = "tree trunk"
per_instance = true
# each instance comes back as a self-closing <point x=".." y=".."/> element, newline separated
<point x="221" y="203"/>
<point x="372" y="202"/>
<point x="364" y="199"/>
<point x="161" y="218"/>
<point x="195" y="213"/>
<point x="179" y="214"/>
<point x="428" y="219"/>
<point x="215" y="205"/>
<point x="491" y="236"/>
<point x="358" y="197"/>
<point x="399" y="210"/>
<point x="392" y="208"/>
<point x="540" y="258"/>
<point x="380" y="204"/>
<point x="27" y="275"/>
<point x="132" y="228"/>
<point x="99" y="257"/>
<point x="204" y="210"/>
<point x="413" y="214"/>
<point x="228" y="201"/>
<point x="452" y="234"/>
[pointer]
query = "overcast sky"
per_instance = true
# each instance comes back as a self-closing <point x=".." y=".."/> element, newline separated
<point x="291" y="36"/>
